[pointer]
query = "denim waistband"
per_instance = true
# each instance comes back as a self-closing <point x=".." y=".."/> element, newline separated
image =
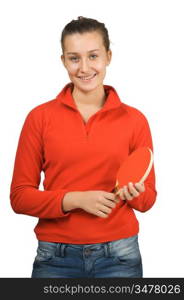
<point x="107" y="247"/>
<point x="61" y="248"/>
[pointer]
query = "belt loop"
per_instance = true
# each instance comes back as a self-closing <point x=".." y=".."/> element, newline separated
<point x="62" y="250"/>
<point x="57" y="249"/>
<point x="106" y="249"/>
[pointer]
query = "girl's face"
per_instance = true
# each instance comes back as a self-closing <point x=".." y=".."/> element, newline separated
<point x="85" y="59"/>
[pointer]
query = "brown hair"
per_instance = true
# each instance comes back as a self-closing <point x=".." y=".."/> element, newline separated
<point x="82" y="25"/>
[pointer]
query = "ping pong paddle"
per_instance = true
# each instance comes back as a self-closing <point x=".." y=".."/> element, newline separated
<point x="135" y="168"/>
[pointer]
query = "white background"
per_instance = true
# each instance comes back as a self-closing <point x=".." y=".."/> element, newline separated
<point x="147" y="71"/>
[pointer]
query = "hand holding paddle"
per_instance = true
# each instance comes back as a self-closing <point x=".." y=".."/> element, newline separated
<point x="136" y="169"/>
<point x="131" y="191"/>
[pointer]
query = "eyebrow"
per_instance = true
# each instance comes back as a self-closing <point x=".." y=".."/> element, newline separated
<point x="78" y="53"/>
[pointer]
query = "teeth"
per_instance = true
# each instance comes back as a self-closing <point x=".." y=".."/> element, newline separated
<point x="87" y="78"/>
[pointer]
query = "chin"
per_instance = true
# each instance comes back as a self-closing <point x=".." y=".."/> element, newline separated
<point x="87" y="87"/>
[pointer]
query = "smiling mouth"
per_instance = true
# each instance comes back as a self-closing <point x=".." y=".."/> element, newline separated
<point x="87" y="78"/>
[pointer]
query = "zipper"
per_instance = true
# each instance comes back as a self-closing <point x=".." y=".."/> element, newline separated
<point x="87" y="126"/>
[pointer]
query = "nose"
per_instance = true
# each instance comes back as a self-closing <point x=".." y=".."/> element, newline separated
<point x="84" y="65"/>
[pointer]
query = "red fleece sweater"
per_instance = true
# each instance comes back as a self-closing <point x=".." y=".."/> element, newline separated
<point x="78" y="156"/>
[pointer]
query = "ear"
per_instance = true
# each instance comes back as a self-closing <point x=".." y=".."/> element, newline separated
<point x="109" y="56"/>
<point x="63" y="59"/>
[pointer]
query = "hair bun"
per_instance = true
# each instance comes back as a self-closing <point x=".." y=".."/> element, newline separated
<point x="82" y="25"/>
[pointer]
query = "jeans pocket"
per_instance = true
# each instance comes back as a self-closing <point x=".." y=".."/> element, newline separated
<point x="126" y="251"/>
<point x="45" y="252"/>
<point x="130" y="259"/>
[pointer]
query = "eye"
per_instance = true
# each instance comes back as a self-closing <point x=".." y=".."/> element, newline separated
<point x="74" y="58"/>
<point x="93" y="56"/>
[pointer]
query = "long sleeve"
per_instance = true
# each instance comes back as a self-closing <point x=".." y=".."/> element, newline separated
<point x="142" y="138"/>
<point x="25" y="196"/>
<point x="74" y="157"/>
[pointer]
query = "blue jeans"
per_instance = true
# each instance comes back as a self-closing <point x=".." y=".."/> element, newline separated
<point x="119" y="258"/>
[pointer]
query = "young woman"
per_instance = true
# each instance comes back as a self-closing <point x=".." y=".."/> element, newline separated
<point x="79" y="140"/>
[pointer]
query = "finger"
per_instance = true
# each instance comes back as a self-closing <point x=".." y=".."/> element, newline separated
<point x="100" y="214"/>
<point x="140" y="187"/>
<point x="127" y="194"/>
<point x="105" y="209"/>
<point x="133" y="190"/>
<point x="120" y="194"/>
<point x="117" y="199"/>
<point x="109" y="203"/>
<point x="110" y="196"/>
<point x="117" y="192"/>
<point x="113" y="197"/>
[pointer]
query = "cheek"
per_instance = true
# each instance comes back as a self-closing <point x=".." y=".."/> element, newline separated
<point x="101" y="67"/>
<point x="72" y="69"/>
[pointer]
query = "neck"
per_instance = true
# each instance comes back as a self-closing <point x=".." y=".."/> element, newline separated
<point x="95" y="98"/>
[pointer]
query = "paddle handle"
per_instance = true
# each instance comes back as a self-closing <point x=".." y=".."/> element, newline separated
<point x="116" y="189"/>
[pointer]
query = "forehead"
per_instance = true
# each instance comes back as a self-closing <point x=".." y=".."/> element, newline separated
<point x="83" y="42"/>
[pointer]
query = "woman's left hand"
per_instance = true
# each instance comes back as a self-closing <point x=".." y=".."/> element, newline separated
<point x="131" y="191"/>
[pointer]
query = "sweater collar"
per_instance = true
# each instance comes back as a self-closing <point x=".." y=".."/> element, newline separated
<point x="112" y="100"/>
